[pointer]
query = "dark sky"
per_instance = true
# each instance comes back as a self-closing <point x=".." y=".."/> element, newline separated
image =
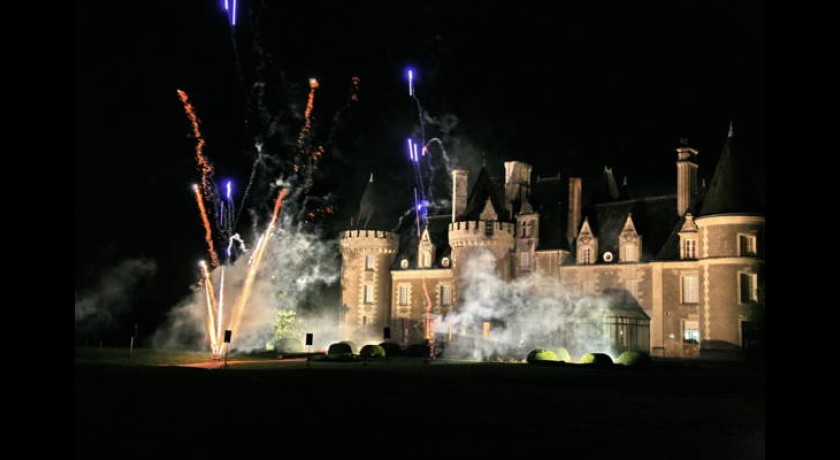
<point x="568" y="89"/>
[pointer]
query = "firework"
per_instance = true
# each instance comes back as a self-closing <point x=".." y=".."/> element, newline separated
<point x="220" y="309"/>
<point x="259" y="252"/>
<point x="411" y="83"/>
<point x="204" y="166"/>
<point x="307" y="114"/>
<point x="430" y="335"/>
<point x="410" y="149"/>
<point x="208" y="232"/>
<point x="209" y="320"/>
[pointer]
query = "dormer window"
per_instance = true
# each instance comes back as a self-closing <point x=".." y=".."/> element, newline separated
<point x="689" y="248"/>
<point x="587" y="245"/>
<point x="629" y="242"/>
<point x="688" y="239"/>
<point x="425" y="250"/>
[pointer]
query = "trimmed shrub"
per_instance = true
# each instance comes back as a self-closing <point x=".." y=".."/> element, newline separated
<point x="596" y="359"/>
<point x="391" y="349"/>
<point x="563" y="355"/>
<point x="289" y="345"/>
<point x="634" y="358"/>
<point x="372" y="352"/>
<point x="340" y="348"/>
<point x="418" y="350"/>
<point x="353" y="347"/>
<point x="540" y="356"/>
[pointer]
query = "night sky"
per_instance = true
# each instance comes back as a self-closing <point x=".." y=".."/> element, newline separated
<point x="568" y="90"/>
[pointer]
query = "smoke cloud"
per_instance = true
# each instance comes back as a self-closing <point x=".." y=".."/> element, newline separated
<point x="297" y="263"/>
<point x="102" y="307"/>
<point x="529" y="312"/>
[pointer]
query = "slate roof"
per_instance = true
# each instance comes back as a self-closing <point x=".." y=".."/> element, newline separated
<point x="733" y="189"/>
<point x="373" y="213"/>
<point x="655" y="219"/>
<point x="483" y="189"/>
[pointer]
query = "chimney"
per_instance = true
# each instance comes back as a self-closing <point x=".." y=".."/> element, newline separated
<point x="459" y="192"/>
<point x="517" y="182"/>
<point x="573" y="219"/>
<point x="686" y="177"/>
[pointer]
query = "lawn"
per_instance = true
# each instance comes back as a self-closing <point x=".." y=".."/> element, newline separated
<point x="410" y="408"/>
<point x="149" y="357"/>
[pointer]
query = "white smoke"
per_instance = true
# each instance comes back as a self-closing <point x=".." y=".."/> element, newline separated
<point x="529" y="312"/>
<point x="102" y="306"/>
<point x="297" y="263"/>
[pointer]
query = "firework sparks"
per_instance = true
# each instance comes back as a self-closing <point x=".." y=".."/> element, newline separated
<point x="411" y="82"/>
<point x="307" y="114"/>
<point x="204" y="166"/>
<point x="238" y="239"/>
<point x="259" y="252"/>
<point x="220" y="308"/>
<point x="354" y="93"/>
<point x="430" y="335"/>
<point x="208" y="232"/>
<point x="209" y="320"/>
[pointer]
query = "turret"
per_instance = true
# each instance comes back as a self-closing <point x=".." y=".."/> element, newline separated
<point x="730" y="238"/>
<point x="367" y="253"/>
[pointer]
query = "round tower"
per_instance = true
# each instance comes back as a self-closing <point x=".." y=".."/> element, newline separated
<point x="367" y="252"/>
<point x="366" y="259"/>
<point x="730" y="253"/>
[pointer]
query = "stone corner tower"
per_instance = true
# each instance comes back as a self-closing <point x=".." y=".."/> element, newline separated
<point x="368" y="250"/>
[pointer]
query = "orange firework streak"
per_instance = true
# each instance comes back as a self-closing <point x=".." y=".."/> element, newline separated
<point x="430" y="336"/>
<point x="208" y="232"/>
<point x="204" y="166"/>
<point x="307" y="114"/>
<point x="208" y="321"/>
<point x="259" y="252"/>
<point x="354" y="93"/>
<point x="213" y="310"/>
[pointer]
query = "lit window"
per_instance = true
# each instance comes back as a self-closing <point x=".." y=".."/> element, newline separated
<point x="629" y="252"/>
<point x="690" y="248"/>
<point x="404" y="294"/>
<point x="691" y="332"/>
<point x="445" y="295"/>
<point x="748" y="287"/>
<point x="368" y="293"/>
<point x="690" y="289"/>
<point x="370" y="262"/>
<point x="746" y="244"/>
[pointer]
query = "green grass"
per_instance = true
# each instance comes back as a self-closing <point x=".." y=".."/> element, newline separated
<point x="149" y="357"/>
<point x="702" y="410"/>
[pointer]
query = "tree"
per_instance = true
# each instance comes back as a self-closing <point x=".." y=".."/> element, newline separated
<point x="287" y="325"/>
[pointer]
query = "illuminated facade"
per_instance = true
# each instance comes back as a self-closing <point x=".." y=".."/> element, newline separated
<point x="689" y="263"/>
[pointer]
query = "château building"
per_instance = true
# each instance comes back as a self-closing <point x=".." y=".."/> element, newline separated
<point x="689" y="263"/>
